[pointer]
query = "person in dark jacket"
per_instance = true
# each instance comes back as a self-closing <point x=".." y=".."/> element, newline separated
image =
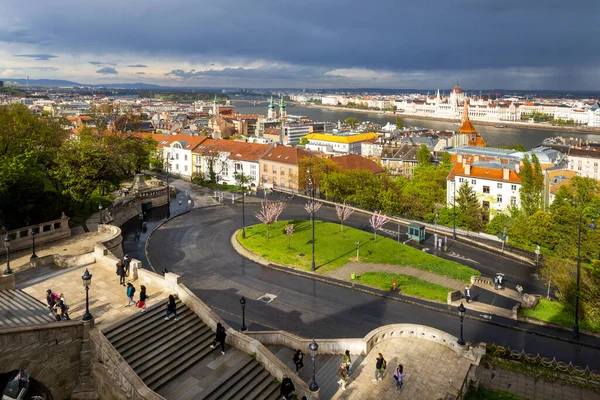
<point x="171" y="308"/>
<point x="143" y="297"/>
<point x="298" y="356"/>
<point x="126" y="264"/>
<point x="130" y="292"/>
<point x="121" y="272"/>
<point x="287" y="388"/>
<point x="51" y="299"/>
<point x="380" y="366"/>
<point x="220" y="335"/>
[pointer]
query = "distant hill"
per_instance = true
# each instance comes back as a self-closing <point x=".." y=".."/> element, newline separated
<point x="11" y="91"/>
<point x="62" y="83"/>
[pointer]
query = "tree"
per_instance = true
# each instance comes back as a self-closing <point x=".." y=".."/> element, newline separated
<point x="315" y="168"/>
<point x="399" y="123"/>
<point x="303" y="141"/>
<point x="446" y="160"/>
<point x="289" y="230"/>
<point x="423" y="156"/>
<point x="343" y="213"/>
<point x="312" y="207"/>
<point x="470" y="208"/>
<point x="267" y="214"/>
<point x="377" y="221"/>
<point x="279" y="206"/>
<point x="351" y="121"/>
<point x="532" y="185"/>
<point x="212" y="160"/>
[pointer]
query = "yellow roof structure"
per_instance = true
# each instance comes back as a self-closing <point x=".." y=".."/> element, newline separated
<point x="361" y="137"/>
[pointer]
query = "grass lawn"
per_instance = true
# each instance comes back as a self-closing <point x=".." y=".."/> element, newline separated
<point x="334" y="248"/>
<point x="406" y="283"/>
<point x="557" y="313"/>
<point x="485" y="394"/>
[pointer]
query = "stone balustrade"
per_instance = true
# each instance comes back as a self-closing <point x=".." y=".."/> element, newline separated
<point x="45" y="232"/>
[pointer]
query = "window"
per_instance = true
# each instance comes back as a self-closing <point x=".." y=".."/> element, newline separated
<point x="486" y="205"/>
<point x="499" y="199"/>
<point x="177" y="156"/>
<point x="265" y="168"/>
<point x="274" y="170"/>
<point x="513" y="201"/>
<point x="499" y="186"/>
<point x="282" y="171"/>
<point x="185" y="168"/>
<point x="185" y="157"/>
<point x="290" y="172"/>
<point x="473" y="182"/>
<point x="282" y="181"/>
<point x="252" y="167"/>
<point x="486" y="189"/>
<point x="513" y="187"/>
<point x="461" y="180"/>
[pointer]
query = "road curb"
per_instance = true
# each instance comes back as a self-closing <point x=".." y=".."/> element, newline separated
<point x="243" y="252"/>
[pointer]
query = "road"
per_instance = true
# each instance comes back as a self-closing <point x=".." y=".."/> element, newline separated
<point x="197" y="247"/>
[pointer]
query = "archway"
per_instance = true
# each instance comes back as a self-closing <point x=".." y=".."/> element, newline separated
<point x="36" y="390"/>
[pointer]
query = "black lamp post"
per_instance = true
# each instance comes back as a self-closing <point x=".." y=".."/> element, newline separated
<point x="243" y="304"/>
<point x="33" y="255"/>
<point x="313" y="346"/>
<point x="454" y="207"/>
<point x="241" y="179"/>
<point x="87" y="282"/>
<point x="591" y="226"/>
<point x="312" y="213"/>
<point x="7" y="271"/>
<point x="461" y="312"/>
<point x="100" y="211"/>
<point x="169" y="158"/>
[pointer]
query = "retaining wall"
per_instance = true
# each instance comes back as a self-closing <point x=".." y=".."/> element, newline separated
<point x="46" y="232"/>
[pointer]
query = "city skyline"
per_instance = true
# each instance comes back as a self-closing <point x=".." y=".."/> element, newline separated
<point x="386" y="44"/>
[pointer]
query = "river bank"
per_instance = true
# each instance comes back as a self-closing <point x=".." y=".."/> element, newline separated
<point x="536" y="126"/>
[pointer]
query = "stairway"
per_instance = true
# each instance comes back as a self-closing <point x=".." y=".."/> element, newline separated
<point x="17" y="308"/>
<point x="174" y="358"/>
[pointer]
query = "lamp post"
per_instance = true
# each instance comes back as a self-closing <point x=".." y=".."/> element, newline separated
<point x="33" y="255"/>
<point x="7" y="271"/>
<point x="313" y="346"/>
<point x="312" y="212"/>
<point x="241" y="180"/>
<point x="593" y="227"/>
<point x="357" y="249"/>
<point x="454" y="208"/>
<point x="461" y="312"/>
<point x="87" y="282"/>
<point x="243" y="304"/>
<point x="100" y="211"/>
<point x="169" y="158"/>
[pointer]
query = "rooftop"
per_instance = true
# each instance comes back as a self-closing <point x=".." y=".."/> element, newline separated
<point x="361" y="137"/>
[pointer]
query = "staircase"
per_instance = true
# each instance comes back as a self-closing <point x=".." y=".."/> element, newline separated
<point x="17" y="308"/>
<point x="174" y="358"/>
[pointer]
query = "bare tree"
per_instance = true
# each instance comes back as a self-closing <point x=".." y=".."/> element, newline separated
<point x="268" y="214"/>
<point x="289" y="230"/>
<point x="343" y="212"/>
<point x="312" y="207"/>
<point x="377" y="221"/>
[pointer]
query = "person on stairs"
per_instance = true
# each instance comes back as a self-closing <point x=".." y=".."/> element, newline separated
<point x="142" y="302"/>
<point x="298" y="356"/>
<point x="61" y="297"/>
<point x="220" y="335"/>
<point x="348" y="361"/>
<point x="342" y="373"/>
<point x="171" y="308"/>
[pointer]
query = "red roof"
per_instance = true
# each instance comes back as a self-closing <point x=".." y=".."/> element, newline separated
<point x="243" y="151"/>
<point x="285" y="155"/>
<point x="494" y="174"/>
<point x="354" y="161"/>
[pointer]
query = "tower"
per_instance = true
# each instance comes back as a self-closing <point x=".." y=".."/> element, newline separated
<point x="467" y="128"/>
<point x="215" y="109"/>
<point x="271" y="114"/>
<point x="282" y="112"/>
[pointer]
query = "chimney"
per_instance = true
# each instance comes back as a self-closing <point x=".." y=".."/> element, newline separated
<point x="517" y="168"/>
<point x="505" y="173"/>
<point x="476" y="158"/>
<point x="467" y="169"/>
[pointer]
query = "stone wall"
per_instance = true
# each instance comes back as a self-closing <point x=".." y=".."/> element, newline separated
<point x="7" y="282"/>
<point x="123" y="209"/>
<point x="114" y="243"/>
<point x="46" y="232"/>
<point x="50" y="353"/>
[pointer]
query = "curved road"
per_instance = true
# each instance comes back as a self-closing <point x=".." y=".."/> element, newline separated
<point x="197" y="247"/>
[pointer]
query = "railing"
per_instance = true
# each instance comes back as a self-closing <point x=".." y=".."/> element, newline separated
<point x="44" y="232"/>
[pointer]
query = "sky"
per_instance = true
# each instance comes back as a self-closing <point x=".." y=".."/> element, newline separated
<point x="420" y="44"/>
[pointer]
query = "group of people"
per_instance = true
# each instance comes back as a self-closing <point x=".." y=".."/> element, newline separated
<point x="380" y="367"/>
<point x="57" y="305"/>
<point x="143" y="297"/>
<point x="123" y="266"/>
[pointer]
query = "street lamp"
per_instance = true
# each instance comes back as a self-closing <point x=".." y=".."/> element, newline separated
<point x="313" y="346"/>
<point x="87" y="282"/>
<point x="241" y="179"/>
<point x="593" y="227"/>
<point x="243" y="304"/>
<point x="454" y="207"/>
<point x="33" y="255"/>
<point x="169" y="158"/>
<point x="312" y="212"/>
<point x="461" y="312"/>
<point x="357" y="249"/>
<point x="7" y="271"/>
<point x="100" y="211"/>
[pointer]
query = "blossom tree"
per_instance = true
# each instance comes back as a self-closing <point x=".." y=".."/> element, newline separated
<point x="377" y="221"/>
<point x="279" y="207"/>
<point x="289" y="230"/>
<point x="343" y="212"/>
<point x="268" y="214"/>
<point x="312" y="207"/>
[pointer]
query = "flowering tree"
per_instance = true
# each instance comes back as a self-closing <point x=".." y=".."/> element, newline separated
<point x="377" y="221"/>
<point x="268" y="214"/>
<point x="290" y="231"/>
<point x="279" y="207"/>
<point x="343" y="212"/>
<point x="312" y="207"/>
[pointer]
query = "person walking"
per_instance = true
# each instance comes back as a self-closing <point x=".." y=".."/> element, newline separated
<point x="142" y="302"/>
<point x="519" y="292"/>
<point x="380" y="365"/>
<point x="467" y="294"/>
<point x="287" y="388"/>
<point x="220" y="335"/>
<point x="399" y="377"/>
<point x="61" y="297"/>
<point x="298" y="356"/>
<point x="126" y="264"/>
<point x="130" y="291"/>
<point x="51" y="299"/>
<point x="342" y="373"/>
<point x="347" y="360"/>
<point x="121" y="272"/>
<point x="171" y="308"/>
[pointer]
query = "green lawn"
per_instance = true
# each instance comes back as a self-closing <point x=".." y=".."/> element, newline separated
<point x="485" y="394"/>
<point x="407" y="284"/>
<point x="334" y="248"/>
<point x="557" y="313"/>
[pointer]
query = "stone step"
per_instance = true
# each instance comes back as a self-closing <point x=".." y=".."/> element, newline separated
<point x="18" y="309"/>
<point x="273" y="392"/>
<point x="130" y="338"/>
<point x="259" y="383"/>
<point x="243" y="381"/>
<point x="219" y="385"/>
<point x="134" y="321"/>
<point x="156" y="351"/>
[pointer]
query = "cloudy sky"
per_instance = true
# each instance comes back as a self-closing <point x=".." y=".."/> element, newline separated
<point x="484" y="44"/>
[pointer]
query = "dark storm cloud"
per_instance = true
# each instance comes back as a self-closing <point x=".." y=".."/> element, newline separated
<point x="96" y="63"/>
<point x="107" y="71"/>
<point x="140" y="73"/>
<point x="275" y="72"/>
<point x="137" y="66"/>
<point x="38" y="57"/>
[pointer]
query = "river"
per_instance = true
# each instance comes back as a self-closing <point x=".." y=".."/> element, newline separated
<point x="509" y="136"/>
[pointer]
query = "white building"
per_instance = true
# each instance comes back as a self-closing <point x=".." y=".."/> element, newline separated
<point x="176" y="152"/>
<point x="584" y="161"/>
<point x="338" y="144"/>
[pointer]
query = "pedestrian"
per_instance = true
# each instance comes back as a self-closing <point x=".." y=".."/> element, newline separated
<point x="130" y="292"/>
<point x="51" y="299"/>
<point x="468" y="294"/>
<point x="347" y="361"/>
<point x="220" y="335"/>
<point x="142" y="302"/>
<point x="66" y="308"/>
<point x="519" y="292"/>
<point x="287" y="388"/>
<point x="380" y="366"/>
<point x="342" y="373"/>
<point x="500" y="281"/>
<point x="61" y="311"/>
<point x="171" y="308"/>
<point x="298" y="356"/>
<point x="126" y="263"/>
<point x="496" y="283"/>
<point x="399" y="377"/>
<point x="121" y="272"/>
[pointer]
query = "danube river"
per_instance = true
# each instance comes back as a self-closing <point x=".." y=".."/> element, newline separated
<point x="508" y="136"/>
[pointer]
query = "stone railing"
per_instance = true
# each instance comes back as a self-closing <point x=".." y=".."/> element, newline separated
<point x="7" y="282"/>
<point x="45" y="232"/>
<point x="114" y="242"/>
<point x="156" y="183"/>
<point x="480" y="280"/>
